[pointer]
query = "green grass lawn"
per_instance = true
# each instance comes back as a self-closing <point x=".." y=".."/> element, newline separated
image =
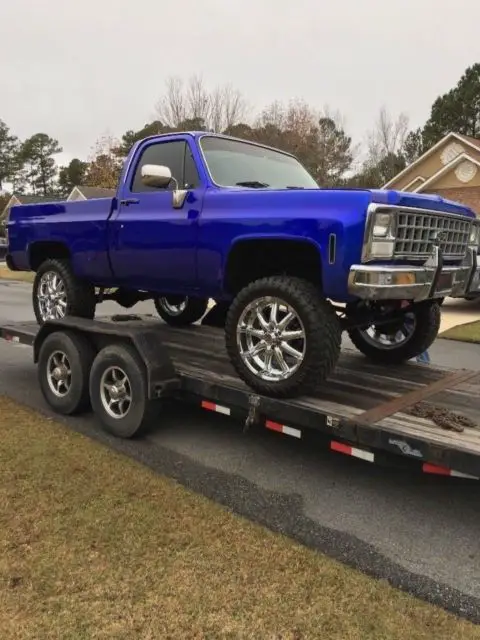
<point x="469" y="332"/>
<point x="93" y="545"/>
<point x="23" y="276"/>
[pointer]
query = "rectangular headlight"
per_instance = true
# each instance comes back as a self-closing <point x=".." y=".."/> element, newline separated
<point x="382" y="224"/>
<point x="474" y="239"/>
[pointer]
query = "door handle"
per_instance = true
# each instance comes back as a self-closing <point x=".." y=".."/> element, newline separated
<point x="129" y="201"/>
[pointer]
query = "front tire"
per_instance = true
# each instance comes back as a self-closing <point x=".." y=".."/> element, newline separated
<point x="57" y="293"/>
<point x="402" y="341"/>
<point x="282" y="337"/>
<point x="180" y="311"/>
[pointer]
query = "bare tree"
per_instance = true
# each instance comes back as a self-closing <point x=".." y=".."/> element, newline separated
<point x="227" y="108"/>
<point x="172" y="107"/>
<point x="388" y="137"/>
<point x="183" y="102"/>
<point x="385" y="145"/>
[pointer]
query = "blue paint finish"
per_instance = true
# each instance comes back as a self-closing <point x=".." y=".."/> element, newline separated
<point x="81" y="226"/>
<point x="150" y="245"/>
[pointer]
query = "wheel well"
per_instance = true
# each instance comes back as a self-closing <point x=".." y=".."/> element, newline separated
<point x="41" y="251"/>
<point x="252" y="259"/>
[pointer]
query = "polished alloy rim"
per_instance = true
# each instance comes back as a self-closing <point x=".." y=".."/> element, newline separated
<point x="171" y="308"/>
<point x="271" y="339"/>
<point x="51" y="296"/>
<point x="383" y="338"/>
<point x="116" y="392"/>
<point x="59" y="374"/>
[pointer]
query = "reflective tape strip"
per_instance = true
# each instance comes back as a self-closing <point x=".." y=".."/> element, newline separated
<point x="352" y="451"/>
<point x="438" y="470"/>
<point x="282" y="428"/>
<point x="211" y="406"/>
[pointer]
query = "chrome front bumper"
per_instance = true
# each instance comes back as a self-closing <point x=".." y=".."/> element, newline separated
<point x="433" y="279"/>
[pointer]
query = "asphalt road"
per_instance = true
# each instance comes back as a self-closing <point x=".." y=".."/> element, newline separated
<point x="419" y="532"/>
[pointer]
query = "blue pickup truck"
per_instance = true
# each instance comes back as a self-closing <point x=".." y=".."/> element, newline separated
<point x="199" y="216"/>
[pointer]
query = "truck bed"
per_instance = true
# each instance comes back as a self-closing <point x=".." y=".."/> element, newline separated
<point x="422" y="412"/>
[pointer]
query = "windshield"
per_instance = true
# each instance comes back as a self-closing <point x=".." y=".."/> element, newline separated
<point x="232" y="163"/>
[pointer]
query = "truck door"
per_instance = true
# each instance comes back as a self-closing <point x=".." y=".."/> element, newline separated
<point x="152" y="245"/>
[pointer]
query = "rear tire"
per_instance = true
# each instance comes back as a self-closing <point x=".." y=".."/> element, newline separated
<point x="64" y="364"/>
<point x="313" y="332"/>
<point x="180" y="311"/>
<point x="120" y="366"/>
<point x="425" y="327"/>
<point x="57" y="292"/>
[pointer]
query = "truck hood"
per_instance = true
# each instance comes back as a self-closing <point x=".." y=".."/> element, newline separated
<point x="428" y="201"/>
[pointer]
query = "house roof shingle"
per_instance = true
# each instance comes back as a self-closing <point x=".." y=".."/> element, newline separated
<point x="96" y="192"/>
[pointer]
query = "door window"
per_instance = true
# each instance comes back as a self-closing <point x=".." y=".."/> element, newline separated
<point x="177" y="156"/>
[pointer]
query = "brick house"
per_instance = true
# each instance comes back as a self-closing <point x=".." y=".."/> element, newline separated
<point x="451" y="169"/>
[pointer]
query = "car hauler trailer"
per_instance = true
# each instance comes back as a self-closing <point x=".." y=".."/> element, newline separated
<point x="126" y="366"/>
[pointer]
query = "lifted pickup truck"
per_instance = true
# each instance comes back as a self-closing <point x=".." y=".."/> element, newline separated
<point x="201" y="216"/>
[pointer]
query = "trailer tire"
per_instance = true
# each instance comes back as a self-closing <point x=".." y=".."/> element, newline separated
<point x="112" y="365"/>
<point x="427" y="318"/>
<point x="315" y="320"/>
<point x="180" y="311"/>
<point x="79" y="296"/>
<point x="64" y="351"/>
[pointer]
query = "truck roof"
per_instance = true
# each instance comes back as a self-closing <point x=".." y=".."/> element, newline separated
<point x="199" y="134"/>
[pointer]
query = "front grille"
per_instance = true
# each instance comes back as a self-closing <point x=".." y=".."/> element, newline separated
<point x="416" y="234"/>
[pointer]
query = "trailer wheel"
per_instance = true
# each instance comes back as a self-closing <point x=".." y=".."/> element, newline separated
<point x="180" y="311"/>
<point x="64" y="364"/>
<point x="282" y="337"/>
<point x="118" y="391"/>
<point x="57" y="293"/>
<point x="400" y="341"/>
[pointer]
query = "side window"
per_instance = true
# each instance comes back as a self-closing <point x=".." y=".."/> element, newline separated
<point x="169" y="154"/>
<point x="191" y="179"/>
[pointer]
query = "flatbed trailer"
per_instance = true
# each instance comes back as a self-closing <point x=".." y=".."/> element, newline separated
<point x="412" y="415"/>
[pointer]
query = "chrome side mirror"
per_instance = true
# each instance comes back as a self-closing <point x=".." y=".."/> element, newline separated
<point x="156" y="175"/>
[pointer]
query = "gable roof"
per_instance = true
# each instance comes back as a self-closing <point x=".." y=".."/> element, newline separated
<point x="32" y="199"/>
<point x="446" y="169"/>
<point x="473" y="143"/>
<point x="469" y="140"/>
<point x="95" y="192"/>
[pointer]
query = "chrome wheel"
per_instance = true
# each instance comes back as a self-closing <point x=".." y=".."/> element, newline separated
<point x="391" y="336"/>
<point x="171" y="307"/>
<point x="51" y="296"/>
<point x="116" y="392"/>
<point x="271" y="339"/>
<point x="59" y="374"/>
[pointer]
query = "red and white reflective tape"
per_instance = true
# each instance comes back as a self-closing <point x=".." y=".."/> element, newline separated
<point x="352" y="451"/>
<point x="283" y="428"/>
<point x="211" y="406"/>
<point x="339" y="447"/>
<point x="436" y="469"/>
